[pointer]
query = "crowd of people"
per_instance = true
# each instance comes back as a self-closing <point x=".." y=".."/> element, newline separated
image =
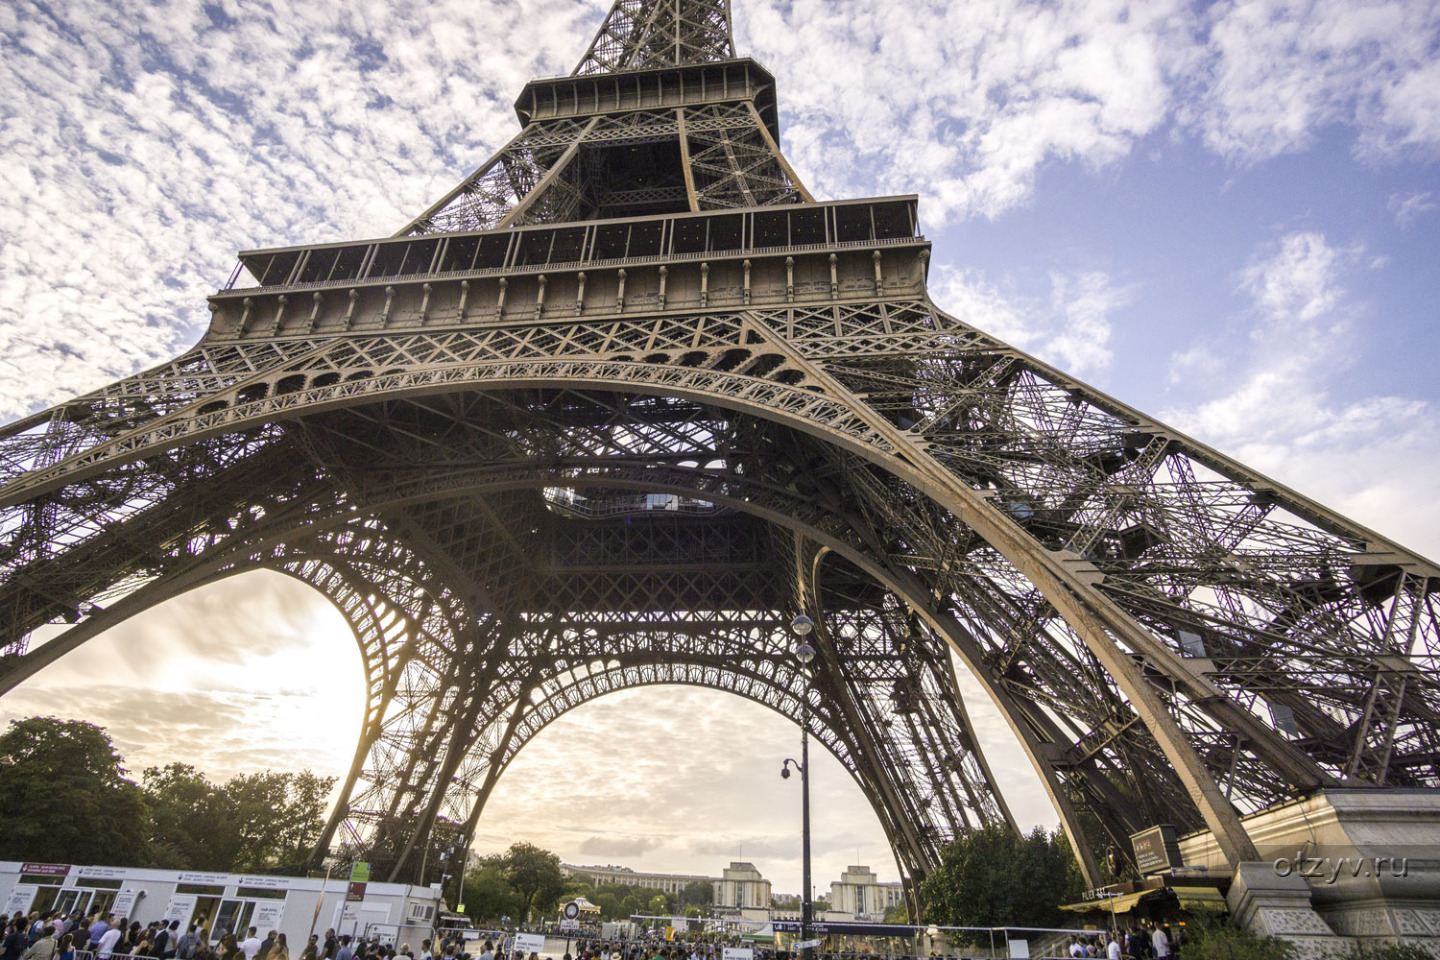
<point x="1148" y="941"/>
<point x="56" y="936"/>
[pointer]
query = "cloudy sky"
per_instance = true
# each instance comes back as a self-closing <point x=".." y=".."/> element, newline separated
<point x="1226" y="214"/>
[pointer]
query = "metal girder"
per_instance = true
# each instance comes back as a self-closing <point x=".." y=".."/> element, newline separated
<point x="646" y="33"/>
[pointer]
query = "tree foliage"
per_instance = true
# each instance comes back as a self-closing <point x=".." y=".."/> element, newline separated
<point x="698" y="893"/>
<point x="64" y="795"/>
<point x="1222" y="941"/>
<point x="488" y="896"/>
<point x="535" y="876"/>
<point x="993" y="877"/>
<point x="256" y="823"/>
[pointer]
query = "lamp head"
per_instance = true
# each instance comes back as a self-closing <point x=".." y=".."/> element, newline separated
<point x="802" y="625"/>
<point x="785" y="773"/>
<point x="804" y="653"/>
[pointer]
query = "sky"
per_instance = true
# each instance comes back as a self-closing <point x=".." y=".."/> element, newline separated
<point x="1225" y="214"/>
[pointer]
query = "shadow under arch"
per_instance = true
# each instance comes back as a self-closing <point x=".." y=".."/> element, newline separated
<point x="746" y="494"/>
<point x="313" y="559"/>
<point x="813" y="408"/>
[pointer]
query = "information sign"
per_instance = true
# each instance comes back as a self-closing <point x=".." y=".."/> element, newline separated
<point x="1156" y="849"/>
<point x="529" y="943"/>
<point x="267" y="916"/>
<point x="20" y="899"/>
<point x="738" y="953"/>
<point x="180" y="907"/>
<point x="46" y="869"/>
<point x="124" y="904"/>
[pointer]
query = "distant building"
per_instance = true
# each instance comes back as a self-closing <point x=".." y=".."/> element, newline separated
<point x="741" y="887"/>
<point x="858" y="895"/>
<point x="663" y="882"/>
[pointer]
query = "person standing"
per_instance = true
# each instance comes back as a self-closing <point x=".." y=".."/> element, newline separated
<point x="105" y="947"/>
<point x="279" y="948"/>
<point x="14" y="942"/>
<point x="250" y="946"/>
<point x="43" y="948"/>
<point x="1160" y="942"/>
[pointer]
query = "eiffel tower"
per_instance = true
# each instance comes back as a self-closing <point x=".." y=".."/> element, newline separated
<point x="627" y="400"/>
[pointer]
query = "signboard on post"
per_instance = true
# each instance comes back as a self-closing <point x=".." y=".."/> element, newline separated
<point x="738" y="953"/>
<point x="1019" y="949"/>
<point x="529" y="943"/>
<point x="359" y="876"/>
<point x="808" y="944"/>
<point x="1156" y="849"/>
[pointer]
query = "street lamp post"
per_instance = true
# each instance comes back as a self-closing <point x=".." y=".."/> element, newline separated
<point x="802" y="625"/>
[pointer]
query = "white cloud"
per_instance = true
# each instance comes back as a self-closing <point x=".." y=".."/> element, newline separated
<point x="1273" y="393"/>
<point x="963" y="102"/>
<point x="145" y="143"/>
<point x="1409" y="207"/>
<point x="1280" y="71"/>
<point x="220" y="677"/>
<point x="1070" y="329"/>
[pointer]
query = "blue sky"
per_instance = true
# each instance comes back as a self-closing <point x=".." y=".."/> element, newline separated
<point x="1225" y="214"/>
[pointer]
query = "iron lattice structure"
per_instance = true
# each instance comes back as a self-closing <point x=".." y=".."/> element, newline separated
<point x="628" y="399"/>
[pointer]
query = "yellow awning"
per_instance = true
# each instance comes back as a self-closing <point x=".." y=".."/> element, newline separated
<point x="1201" y="898"/>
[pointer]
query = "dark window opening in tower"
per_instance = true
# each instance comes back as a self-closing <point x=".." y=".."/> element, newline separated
<point x="632" y="180"/>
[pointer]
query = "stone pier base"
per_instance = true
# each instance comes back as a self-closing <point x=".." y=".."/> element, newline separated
<point x="1270" y="904"/>
<point x="1341" y="867"/>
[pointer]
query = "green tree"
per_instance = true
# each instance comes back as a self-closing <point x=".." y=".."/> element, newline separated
<point x="899" y="913"/>
<point x="488" y="893"/>
<point x="609" y="904"/>
<point x="698" y="893"/>
<point x="189" y="828"/>
<point x="64" y="795"/>
<point x="658" y="906"/>
<point x="631" y="905"/>
<point x="279" y="817"/>
<point x="993" y="877"/>
<point x="1221" y="941"/>
<point x="535" y="876"/>
<point x="256" y="823"/>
